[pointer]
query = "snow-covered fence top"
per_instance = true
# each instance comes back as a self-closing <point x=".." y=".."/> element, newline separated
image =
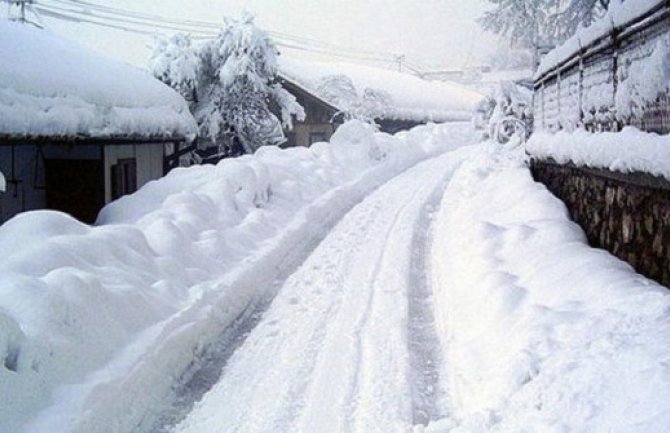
<point x="613" y="73"/>
<point x="399" y="96"/>
<point x="51" y="87"/>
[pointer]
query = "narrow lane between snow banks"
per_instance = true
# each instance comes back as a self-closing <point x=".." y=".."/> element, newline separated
<point x="331" y="353"/>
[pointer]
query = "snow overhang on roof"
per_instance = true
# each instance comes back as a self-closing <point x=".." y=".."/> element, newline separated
<point x="52" y="87"/>
<point x="411" y="98"/>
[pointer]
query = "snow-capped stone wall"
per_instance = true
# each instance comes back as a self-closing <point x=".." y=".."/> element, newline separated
<point x="613" y="73"/>
<point x="626" y="214"/>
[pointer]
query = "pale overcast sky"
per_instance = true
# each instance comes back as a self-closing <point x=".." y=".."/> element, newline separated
<point x="434" y="33"/>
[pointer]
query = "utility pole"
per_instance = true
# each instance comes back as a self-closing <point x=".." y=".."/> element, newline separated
<point x="21" y="5"/>
<point x="400" y="59"/>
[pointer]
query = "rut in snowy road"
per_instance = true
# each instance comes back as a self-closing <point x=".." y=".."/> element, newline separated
<point x="331" y="353"/>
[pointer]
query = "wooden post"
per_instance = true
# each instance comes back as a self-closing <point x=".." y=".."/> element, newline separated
<point x="615" y="76"/>
<point x="581" y="86"/>
<point x="558" y="98"/>
<point x="544" y="123"/>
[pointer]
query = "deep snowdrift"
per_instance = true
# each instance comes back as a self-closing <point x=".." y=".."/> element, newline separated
<point x="542" y="333"/>
<point x="97" y="323"/>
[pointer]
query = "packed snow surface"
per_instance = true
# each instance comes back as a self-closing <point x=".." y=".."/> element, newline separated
<point x="50" y="86"/>
<point x="408" y="96"/>
<point x="630" y="150"/>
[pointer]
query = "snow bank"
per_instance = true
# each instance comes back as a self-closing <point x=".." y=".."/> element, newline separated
<point x="619" y="14"/>
<point x="98" y="323"/>
<point x="543" y="333"/>
<point x="409" y="97"/>
<point x="53" y="87"/>
<point x="630" y="150"/>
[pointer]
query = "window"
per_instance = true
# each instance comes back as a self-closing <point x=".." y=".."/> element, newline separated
<point x="317" y="137"/>
<point x="124" y="177"/>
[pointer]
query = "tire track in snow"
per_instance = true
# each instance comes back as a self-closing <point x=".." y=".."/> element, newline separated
<point x="208" y="365"/>
<point x="331" y="353"/>
<point x="422" y="339"/>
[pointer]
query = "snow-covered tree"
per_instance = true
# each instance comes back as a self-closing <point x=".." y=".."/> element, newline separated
<point x="536" y="22"/>
<point x="235" y="86"/>
<point x="175" y="62"/>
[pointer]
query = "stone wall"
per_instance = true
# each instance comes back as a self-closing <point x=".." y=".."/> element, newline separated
<point x="626" y="214"/>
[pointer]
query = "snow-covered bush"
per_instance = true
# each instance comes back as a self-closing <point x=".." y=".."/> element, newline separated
<point x="230" y="82"/>
<point x="507" y="101"/>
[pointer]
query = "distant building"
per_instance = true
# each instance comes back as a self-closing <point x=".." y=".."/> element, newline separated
<point x="78" y="130"/>
<point x="321" y="118"/>
<point x="396" y="101"/>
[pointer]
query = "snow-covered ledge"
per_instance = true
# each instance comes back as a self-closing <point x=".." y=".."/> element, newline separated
<point x="630" y="150"/>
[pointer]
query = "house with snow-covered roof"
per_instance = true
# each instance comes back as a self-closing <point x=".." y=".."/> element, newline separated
<point x="395" y="101"/>
<point x="78" y="130"/>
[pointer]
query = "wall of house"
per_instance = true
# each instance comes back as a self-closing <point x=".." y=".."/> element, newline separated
<point x="305" y="134"/>
<point x="148" y="157"/>
<point x="393" y="126"/>
<point x="24" y="169"/>
<point x="25" y="188"/>
<point x="626" y="214"/>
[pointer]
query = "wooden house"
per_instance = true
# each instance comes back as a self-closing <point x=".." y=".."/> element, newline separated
<point x="321" y="117"/>
<point x="396" y="101"/>
<point x="78" y="130"/>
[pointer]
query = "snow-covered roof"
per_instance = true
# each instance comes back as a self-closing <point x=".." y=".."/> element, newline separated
<point x="509" y="75"/>
<point x="410" y="97"/>
<point x="618" y="15"/>
<point x="52" y="87"/>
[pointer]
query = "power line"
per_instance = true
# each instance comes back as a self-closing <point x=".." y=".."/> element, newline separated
<point x="99" y="12"/>
<point x="81" y="11"/>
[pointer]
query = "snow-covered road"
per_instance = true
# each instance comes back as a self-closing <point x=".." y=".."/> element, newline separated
<point x="369" y="293"/>
<point x="333" y="353"/>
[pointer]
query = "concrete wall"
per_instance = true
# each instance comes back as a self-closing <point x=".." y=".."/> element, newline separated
<point x="626" y="214"/>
